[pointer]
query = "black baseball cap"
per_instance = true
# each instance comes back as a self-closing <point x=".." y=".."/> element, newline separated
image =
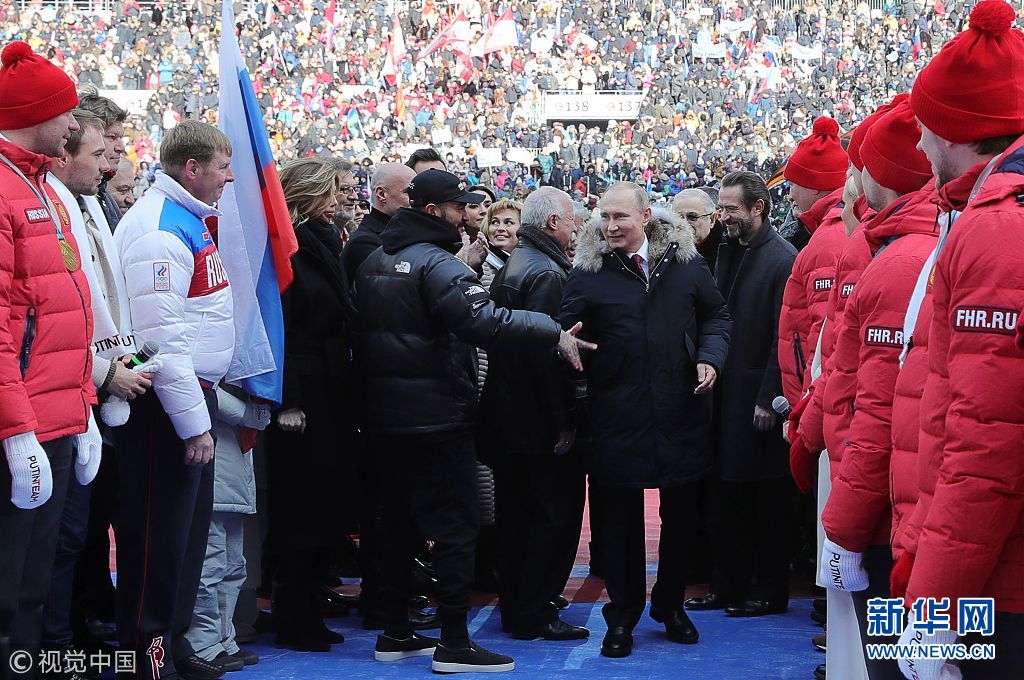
<point x="440" y="186"/>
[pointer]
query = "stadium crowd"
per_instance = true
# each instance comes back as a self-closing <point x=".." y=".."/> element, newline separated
<point x="316" y="67"/>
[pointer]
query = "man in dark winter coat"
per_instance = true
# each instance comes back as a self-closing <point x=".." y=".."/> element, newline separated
<point x="388" y="187"/>
<point x="754" y="492"/>
<point x="539" y="477"/>
<point x="649" y="302"/>
<point x="422" y="313"/>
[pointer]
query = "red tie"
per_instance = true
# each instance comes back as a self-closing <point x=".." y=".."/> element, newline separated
<point x="638" y="260"/>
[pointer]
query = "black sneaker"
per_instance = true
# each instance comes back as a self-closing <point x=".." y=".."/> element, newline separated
<point x="195" y="668"/>
<point x="394" y="649"/>
<point x="227" y="662"/>
<point x="471" y="659"/>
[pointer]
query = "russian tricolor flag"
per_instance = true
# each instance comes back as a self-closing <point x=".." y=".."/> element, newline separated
<point x="255" y="234"/>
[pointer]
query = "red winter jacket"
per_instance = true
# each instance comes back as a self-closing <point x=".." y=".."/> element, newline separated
<point x="857" y="514"/>
<point x="972" y="540"/>
<point x="45" y="313"/>
<point x="806" y="295"/>
<point x="855" y="257"/>
<point x="841" y="387"/>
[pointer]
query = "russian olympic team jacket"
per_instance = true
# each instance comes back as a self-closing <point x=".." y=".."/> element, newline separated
<point x="971" y="542"/>
<point x="807" y="291"/>
<point x="858" y="511"/>
<point x="179" y="297"/>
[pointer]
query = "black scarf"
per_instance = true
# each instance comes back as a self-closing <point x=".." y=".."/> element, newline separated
<point x="546" y="244"/>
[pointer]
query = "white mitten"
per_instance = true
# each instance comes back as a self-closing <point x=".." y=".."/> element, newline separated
<point x="31" y="481"/>
<point x="927" y="669"/>
<point x="256" y="417"/>
<point x="90" y="450"/>
<point x="841" y="569"/>
<point x="115" y="410"/>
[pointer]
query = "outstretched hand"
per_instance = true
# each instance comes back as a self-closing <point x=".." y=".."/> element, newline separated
<point x="569" y="346"/>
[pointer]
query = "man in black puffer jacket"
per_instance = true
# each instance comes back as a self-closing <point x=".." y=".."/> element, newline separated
<point x="422" y="312"/>
<point x="528" y="431"/>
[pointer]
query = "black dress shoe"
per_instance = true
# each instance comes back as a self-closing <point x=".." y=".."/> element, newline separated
<point x="302" y="642"/>
<point x="227" y="662"/>
<point x="707" y="603"/>
<point x="819" y="672"/>
<point x="424" y="620"/>
<point x="677" y="625"/>
<point x="331" y="604"/>
<point x="749" y="608"/>
<point x="555" y="630"/>
<point x="560" y="602"/>
<point x="196" y="668"/>
<point x="618" y="643"/>
<point x="246" y="657"/>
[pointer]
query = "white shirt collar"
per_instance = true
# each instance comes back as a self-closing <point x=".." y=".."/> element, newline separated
<point x="643" y="251"/>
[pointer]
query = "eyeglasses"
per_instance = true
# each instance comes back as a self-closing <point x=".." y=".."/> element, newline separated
<point x="349" y="189"/>
<point x="693" y="217"/>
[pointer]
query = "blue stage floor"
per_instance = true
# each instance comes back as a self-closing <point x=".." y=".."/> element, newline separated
<point x="766" y="648"/>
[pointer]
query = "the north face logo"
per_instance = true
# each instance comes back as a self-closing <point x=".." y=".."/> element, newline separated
<point x="403" y="267"/>
<point x="1000" y="320"/>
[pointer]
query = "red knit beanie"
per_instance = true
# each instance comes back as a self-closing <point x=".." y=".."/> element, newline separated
<point x="819" y="161"/>
<point x="32" y="90"/>
<point x="890" y="151"/>
<point x="853" y="148"/>
<point x="973" y="89"/>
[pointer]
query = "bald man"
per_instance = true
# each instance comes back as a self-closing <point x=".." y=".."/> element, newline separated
<point x="388" y="192"/>
<point x="121" y="187"/>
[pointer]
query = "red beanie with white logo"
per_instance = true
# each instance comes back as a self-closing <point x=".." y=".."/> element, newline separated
<point x="819" y="162"/>
<point x="890" y="151"/>
<point x="32" y="89"/>
<point x="973" y="89"/>
<point x="861" y="131"/>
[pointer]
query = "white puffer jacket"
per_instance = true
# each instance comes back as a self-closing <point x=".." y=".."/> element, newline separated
<point x="179" y="297"/>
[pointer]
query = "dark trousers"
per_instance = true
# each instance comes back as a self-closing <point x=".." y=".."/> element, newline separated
<point x="539" y="517"/>
<point x="625" y="558"/>
<point x="74" y="528"/>
<point x="428" y="489"/>
<point x="28" y="542"/>
<point x="878" y="564"/>
<point x="163" y="526"/>
<point x="1007" y="636"/>
<point x="751" y="534"/>
<point x="93" y="594"/>
<point x="301" y="573"/>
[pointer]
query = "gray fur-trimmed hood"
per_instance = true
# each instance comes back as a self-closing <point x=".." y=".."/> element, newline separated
<point x="664" y="229"/>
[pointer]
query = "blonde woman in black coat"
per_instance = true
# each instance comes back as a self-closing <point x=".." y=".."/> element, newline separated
<point x="312" y="436"/>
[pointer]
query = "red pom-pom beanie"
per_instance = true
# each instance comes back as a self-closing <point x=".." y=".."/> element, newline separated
<point x="32" y="90"/>
<point x="973" y="89"/>
<point x="890" y="151"/>
<point x="819" y="162"/>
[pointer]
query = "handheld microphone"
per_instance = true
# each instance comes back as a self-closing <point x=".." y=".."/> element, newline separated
<point x="149" y="350"/>
<point x="781" y="406"/>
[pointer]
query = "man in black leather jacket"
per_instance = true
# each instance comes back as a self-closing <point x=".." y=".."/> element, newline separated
<point x="527" y="432"/>
<point x="422" y="312"/>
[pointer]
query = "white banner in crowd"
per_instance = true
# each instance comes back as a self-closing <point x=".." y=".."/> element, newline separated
<point x="133" y="101"/>
<point x="734" y="28"/>
<point x="805" y="53"/>
<point x="522" y="156"/>
<point x="488" y="158"/>
<point x="441" y="136"/>
<point x="578" y="105"/>
<point x="709" y="50"/>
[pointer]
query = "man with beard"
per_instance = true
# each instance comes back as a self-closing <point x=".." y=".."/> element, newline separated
<point x="113" y="117"/>
<point x="421" y="313"/>
<point x="78" y="178"/>
<point x="753" y="495"/>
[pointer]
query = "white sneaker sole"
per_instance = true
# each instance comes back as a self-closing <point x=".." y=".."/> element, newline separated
<point x="444" y="667"/>
<point x="398" y="656"/>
